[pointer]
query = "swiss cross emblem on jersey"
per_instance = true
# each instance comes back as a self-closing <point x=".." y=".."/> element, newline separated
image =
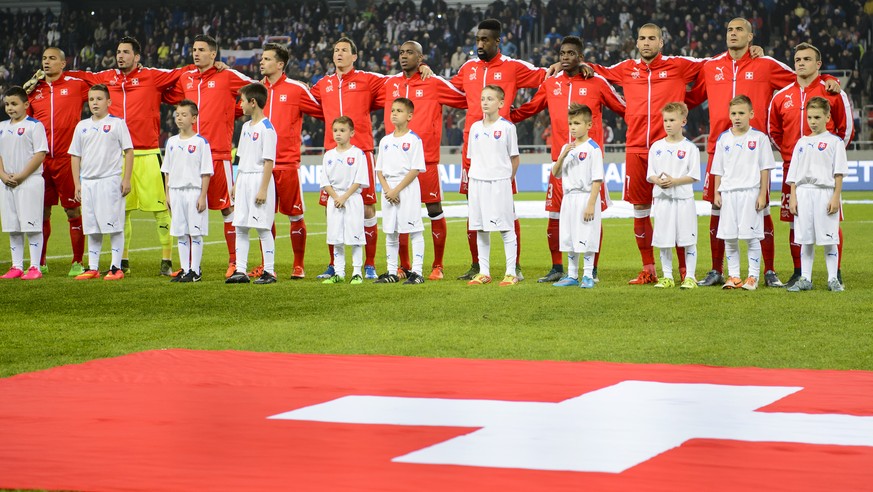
<point x="134" y="81"/>
<point x="64" y="92"/>
<point x="283" y="97"/>
<point x="352" y="85"/>
<point x="583" y="155"/>
<point x="419" y="93"/>
<point x="20" y="131"/>
<point x="583" y="91"/>
<point x="406" y="146"/>
<point x="106" y="128"/>
<point x="192" y="149"/>
<point x="255" y="136"/>
<point x="750" y="75"/>
<point x="350" y="161"/>
<point x="752" y="145"/>
<point x="822" y="145"/>
<point x="210" y="84"/>
<point x="497" y="134"/>
<point x="498" y="76"/>
<point x="680" y="154"/>
<point x="662" y="74"/>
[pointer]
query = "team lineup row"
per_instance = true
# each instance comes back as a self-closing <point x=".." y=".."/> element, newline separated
<point x="649" y="83"/>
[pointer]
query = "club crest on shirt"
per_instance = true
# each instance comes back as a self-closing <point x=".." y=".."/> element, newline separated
<point x="283" y="97"/>
<point x="192" y="149"/>
<point x="406" y="146"/>
<point x="350" y="161"/>
<point x="107" y="128"/>
<point x="210" y="84"/>
<point x="64" y="92"/>
<point x="680" y="154"/>
<point x="20" y="131"/>
<point x="752" y="145"/>
<point x="134" y="81"/>
<point x="497" y="134"/>
<point x="498" y="76"/>
<point x="662" y="74"/>
<point x="750" y="75"/>
<point x="583" y="155"/>
<point x="583" y="91"/>
<point x="352" y="85"/>
<point x="419" y="93"/>
<point x="255" y="136"/>
<point x="822" y="145"/>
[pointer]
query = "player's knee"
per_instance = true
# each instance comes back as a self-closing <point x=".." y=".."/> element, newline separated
<point x="434" y="209"/>
<point x="72" y="213"/>
<point x="295" y="218"/>
<point x="227" y="211"/>
<point x="369" y="211"/>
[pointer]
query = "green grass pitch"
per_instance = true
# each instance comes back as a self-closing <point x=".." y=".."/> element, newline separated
<point x="58" y="321"/>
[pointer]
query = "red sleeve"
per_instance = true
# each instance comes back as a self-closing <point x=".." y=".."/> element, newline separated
<point x="448" y="95"/>
<point x="527" y="75"/>
<point x="377" y="92"/>
<point x="236" y="81"/>
<point x="458" y="79"/>
<point x="841" y="113"/>
<point x="612" y="74"/>
<point x="774" y="123"/>
<point x="611" y="99"/>
<point x="173" y="95"/>
<point x="90" y="78"/>
<point x="536" y="104"/>
<point x="697" y="94"/>
<point x="309" y="105"/>
<point x="780" y="76"/>
<point x="691" y="67"/>
<point x="166" y="79"/>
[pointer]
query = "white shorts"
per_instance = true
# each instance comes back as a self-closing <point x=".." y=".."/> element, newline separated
<point x="246" y="213"/>
<point x="102" y="205"/>
<point x="812" y="224"/>
<point x="346" y="225"/>
<point x="490" y="206"/>
<point x="186" y="219"/>
<point x="404" y="217"/>
<point x="577" y="235"/>
<point x="675" y="222"/>
<point x="739" y="219"/>
<point x="21" y="207"/>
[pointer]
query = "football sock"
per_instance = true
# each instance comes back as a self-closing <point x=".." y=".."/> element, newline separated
<point x="162" y="219"/>
<point x="196" y="253"/>
<point x="46" y="233"/>
<point x="517" y="245"/>
<point x="371" y="231"/>
<point x="438" y="228"/>
<point x="392" y="244"/>
<point x="716" y="245"/>
<point x="680" y="256"/>
<point x="230" y="238"/>
<point x="357" y="259"/>
<point x="184" y="246"/>
<point x="510" y="248"/>
<point x="95" y="244"/>
<point x="242" y="248"/>
<point x="16" y="247"/>
<point x="339" y="258"/>
<point x="77" y="238"/>
<point x="553" y="235"/>
<point x="332" y="254"/>
<point x="473" y="242"/>
<point x="643" y="233"/>
<point x="691" y="261"/>
<point x="832" y="260"/>
<point x="483" y="245"/>
<point x="268" y="250"/>
<point x="34" y="241"/>
<point x="840" y="250"/>
<point x="755" y="258"/>
<point x="573" y="265"/>
<point x="116" y="246"/>
<point x="298" y="239"/>
<point x="795" y="248"/>
<point x="403" y="251"/>
<point x="128" y="233"/>
<point x="732" y="255"/>
<point x="417" y="239"/>
<point x="588" y="265"/>
<point x="807" y="256"/>
<point x="768" y="244"/>
<point x="667" y="262"/>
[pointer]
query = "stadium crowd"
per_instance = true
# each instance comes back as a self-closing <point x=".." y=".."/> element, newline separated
<point x="532" y="31"/>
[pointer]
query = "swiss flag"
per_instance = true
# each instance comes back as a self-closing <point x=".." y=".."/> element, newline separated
<point x="192" y="420"/>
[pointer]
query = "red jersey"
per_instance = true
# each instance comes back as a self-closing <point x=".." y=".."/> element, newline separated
<point x="507" y="73"/>
<point x="648" y="87"/>
<point x="58" y="106"/>
<point x="136" y="98"/>
<point x="428" y="96"/>
<point x="287" y="100"/>
<point x="787" y="115"/>
<point x="559" y="92"/>
<point x="215" y="94"/>
<point x="354" y="94"/>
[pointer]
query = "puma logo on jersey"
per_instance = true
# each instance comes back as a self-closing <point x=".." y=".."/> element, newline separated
<point x="411" y="223"/>
<point x="297" y="206"/>
<point x="255" y="217"/>
<point x="493" y="222"/>
<point x="720" y="75"/>
<point x="433" y="194"/>
<point x="31" y="224"/>
<point x="367" y="233"/>
<point x="831" y="236"/>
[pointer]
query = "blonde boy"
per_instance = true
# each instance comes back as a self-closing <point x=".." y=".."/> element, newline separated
<point x="580" y="168"/>
<point x="188" y="167"/>
<point x="493" y="154"/>
<point x="99" y="183"/>
<point x="818" y="165"/>
<point x="741" y="166"/>
<point x="254" y="192"/>
<point x="343" y="175"/>
<point x="23" y="146"/>
<point x="401" y="158"/>
<point x="674" y="164"/>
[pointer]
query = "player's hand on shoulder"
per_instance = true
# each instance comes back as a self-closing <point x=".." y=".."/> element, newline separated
<point x="553" y="69"/>
<point x="220" y="65"/>
<point x="756" y="51"/>
<point x="425" y="71"/>
<point x="587" y="71"/>
<point x="832" y="86"/>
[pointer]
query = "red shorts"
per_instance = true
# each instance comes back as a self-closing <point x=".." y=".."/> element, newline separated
<point x="429" y="182"/>
<point x="637" y="190"/>
<point x="289" y="193"/>
<point x="218" y="194"/>
<point x="368" y="193"/>
<point x="554" y="194"/>
<point x="59" y="186"/>
<point x="465" y="167"/>
<point x="709" y="182"/>
<point x="785" y="214"/>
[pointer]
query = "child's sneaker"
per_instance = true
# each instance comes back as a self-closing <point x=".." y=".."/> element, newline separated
<point x="76" y="269"/>
<point x="834" y="285"/>
<point x="479" y="279"/>
<point x="265" y="278"/>
<point x="387" y="278"/>
<point x="369" y="272"/>
<point x="177" y="275"/>
<point x="565" y="282"/>
<point x="799" y="285"/>
<point x="732" y="283"/>
<point x="327" y="274"/>
<point x="413" y="279"/>
<point x="87" y="275"/>
<point x="14" y="273"/>
<point x="587" y="283"/>
<point x="665" y="283"/>
<point x="298" y="273"/>
<point x="689" y="283"/>
<point x="334" y="279"/>
<point x="33" y="273"/>
<point x="751" y="283"/>
<point x="191" y="276"/>
<point x="237" y="278"/>
<point x="436" y="273"/>
<point x="115" y="273"/>
<point x="509" y="280"/>
<point x="358" y="280"/>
